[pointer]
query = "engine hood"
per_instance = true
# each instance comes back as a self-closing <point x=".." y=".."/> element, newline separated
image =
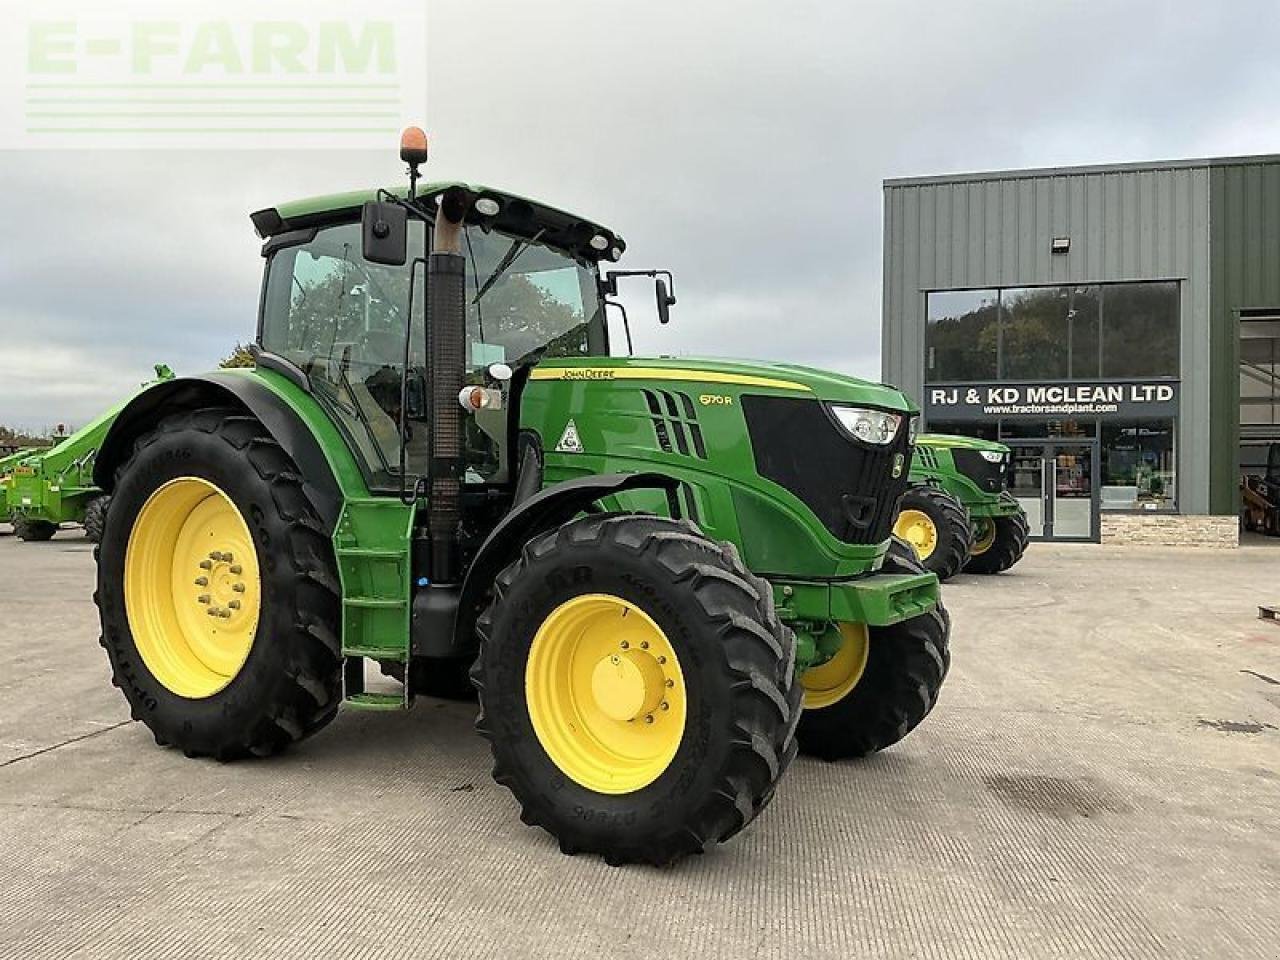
<point x="736" y="375"/>
<point x="965" y="443"/>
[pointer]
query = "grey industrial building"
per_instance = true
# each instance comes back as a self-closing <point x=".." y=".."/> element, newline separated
<point x="1118" y="326"/>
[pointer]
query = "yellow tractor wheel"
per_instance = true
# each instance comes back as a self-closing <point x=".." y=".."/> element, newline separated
<point x="215" y="590"/>
<point x="881" y="682"/>
<point x="636" y="687"/>
<point x="936" y="526"/>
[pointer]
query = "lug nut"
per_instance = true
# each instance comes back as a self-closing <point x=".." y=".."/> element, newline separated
<point x="662" y="659"/>
<point x="644" y="644"/>
<point x="664" y="705"/>
<point x="234" y="604"/>
<point x="224" y="613"/>
<point x="238" y="587"/>
<point x="648" y="718"/>
<point x="215" y="555"/>
<point x="202" y="581"/>
<point x="206" y="564"/>
<point x="671" y="683"/>
<point x="212" y="611"/>
<point x="203" y="598"/>
<point x="624" y="645"/>
<point x="236" y="569"/>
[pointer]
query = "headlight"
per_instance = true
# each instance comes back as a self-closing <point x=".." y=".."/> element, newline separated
<point x="992" y="456"/>
<point x="869" y="426"/>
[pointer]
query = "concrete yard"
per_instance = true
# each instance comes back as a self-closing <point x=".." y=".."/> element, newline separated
<point x="1101" y="778"/>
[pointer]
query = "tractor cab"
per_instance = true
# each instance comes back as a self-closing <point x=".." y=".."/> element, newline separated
<point x="356" y="327"/>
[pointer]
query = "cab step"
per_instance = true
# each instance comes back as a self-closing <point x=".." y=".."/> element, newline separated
<point x="376" y="701"/>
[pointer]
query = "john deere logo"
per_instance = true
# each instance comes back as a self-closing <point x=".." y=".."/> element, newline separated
<point x="898" y="461"/>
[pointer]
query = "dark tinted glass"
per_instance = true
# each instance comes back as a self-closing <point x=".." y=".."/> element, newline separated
<point x="1140" y="330"/>
<point x="1034" y="333"/>
<point x="960" y="343"/>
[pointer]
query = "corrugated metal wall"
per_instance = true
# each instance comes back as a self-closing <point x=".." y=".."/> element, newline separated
<point x="1245" y="275"/>
<point x="987" y="231"/>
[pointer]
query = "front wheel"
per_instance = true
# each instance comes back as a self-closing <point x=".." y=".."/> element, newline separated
<point x="636" y="687"/>
<point x="881" y="683"/>
<point x="936" y="526"/>
<point x="999" y="543"/>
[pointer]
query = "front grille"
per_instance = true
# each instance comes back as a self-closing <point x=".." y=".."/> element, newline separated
<point x="987" y="475"/>
<point x="926" y="457"/>
<point x="848" y="485"/>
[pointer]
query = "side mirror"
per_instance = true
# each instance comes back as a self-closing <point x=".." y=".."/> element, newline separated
<point x="385" y="230"/>
<point x="665" y="301"/>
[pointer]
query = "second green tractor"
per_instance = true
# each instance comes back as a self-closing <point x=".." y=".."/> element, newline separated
<point x="958" y="514"/>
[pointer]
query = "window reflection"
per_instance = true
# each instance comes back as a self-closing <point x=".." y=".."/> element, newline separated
<point x="1078" y="332"/>
<point x="961" y="337"/>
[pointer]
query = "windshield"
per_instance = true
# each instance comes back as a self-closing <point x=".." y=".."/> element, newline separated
<point x="525" y="301"/>
<point x="342" y="320"/>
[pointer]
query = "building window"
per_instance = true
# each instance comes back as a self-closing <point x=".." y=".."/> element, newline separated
<point x="960" y="342"/>
<point x="1140" y="330"/>
<point x="1081" y="332"/>
<point x="1138" y="465"/>
<point x="1049" y="333"/>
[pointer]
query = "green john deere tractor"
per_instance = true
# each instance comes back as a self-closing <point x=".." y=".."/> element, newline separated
<point x="42" y="489"/>
<point x="957" y="513"/>
<point x="436" y="465"/>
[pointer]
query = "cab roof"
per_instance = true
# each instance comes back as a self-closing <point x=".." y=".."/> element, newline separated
<point x="518" y="216"/>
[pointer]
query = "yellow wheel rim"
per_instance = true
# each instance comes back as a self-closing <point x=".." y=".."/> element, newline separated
<point x="915" y="527"/>
<point x="831" y="682"/>
<point x="192" y="590"/>
<point x="984" y="535"/>
<point x="605" y="694"/>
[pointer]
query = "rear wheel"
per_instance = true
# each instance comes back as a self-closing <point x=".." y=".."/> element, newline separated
<point x="25" y="528"/>
<point x="936" y="526"/>
<point x="881" y="682"/>
<point x="999" y="543"/>
<point x="95" y="518"/>
<point x="636" y="687"/>
<point x="217" y="590"/>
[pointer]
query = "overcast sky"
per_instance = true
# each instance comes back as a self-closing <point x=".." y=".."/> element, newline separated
<point x="740" y="144"/>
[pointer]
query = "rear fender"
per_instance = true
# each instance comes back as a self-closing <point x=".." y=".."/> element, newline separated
<point x="249" y="393"/>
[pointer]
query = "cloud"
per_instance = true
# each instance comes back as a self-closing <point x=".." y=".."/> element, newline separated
<point x="739" y="144"/>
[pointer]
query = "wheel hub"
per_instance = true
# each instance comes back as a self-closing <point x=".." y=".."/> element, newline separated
<point x="192" y="587"/>
<point x="627" y="685"/>
<point x="915" y="527"/>
<point x="605" y="693"/>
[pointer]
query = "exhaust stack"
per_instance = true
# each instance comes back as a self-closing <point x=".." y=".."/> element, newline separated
<point x="446" y="348"/>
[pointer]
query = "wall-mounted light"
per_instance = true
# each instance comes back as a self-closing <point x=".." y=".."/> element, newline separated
<point x="1060" y="245"/>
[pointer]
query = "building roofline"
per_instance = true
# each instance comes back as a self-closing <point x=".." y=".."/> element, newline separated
<point x="1084" y="170"/>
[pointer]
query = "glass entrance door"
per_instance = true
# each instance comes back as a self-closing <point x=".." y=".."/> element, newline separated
<point x="1073" y="489"/>
<point x="1027" y="484"/>
<point x="1056" y="484"/>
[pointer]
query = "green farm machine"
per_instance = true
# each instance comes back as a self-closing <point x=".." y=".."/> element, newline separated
<point x="437" y="466"/>
<point x="958" y="514"/>
<point x="41" y="489"/>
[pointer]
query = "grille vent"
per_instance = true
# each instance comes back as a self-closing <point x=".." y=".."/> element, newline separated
<point x="675" y="421"/>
